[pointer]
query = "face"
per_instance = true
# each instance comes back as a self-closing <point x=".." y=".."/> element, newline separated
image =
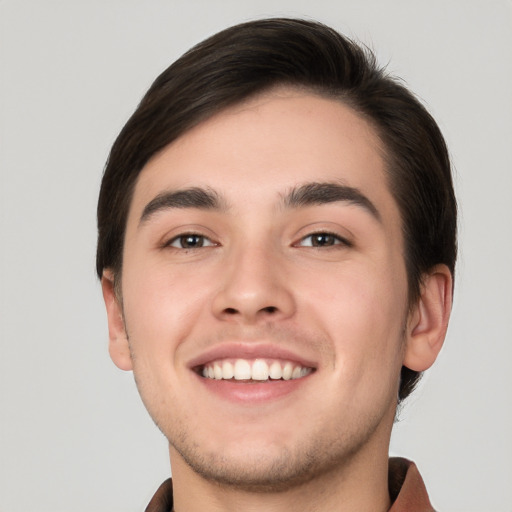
<point x="264" y="292"/>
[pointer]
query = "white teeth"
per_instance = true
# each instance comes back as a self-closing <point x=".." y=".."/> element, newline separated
<point x="296" y="373"/>
<point x="242" y="370"/>
<point x="217" y="371"/>
<point x="287" y="371"/>
<point x="227" y="370"/>
<point x="258" y="369"/>
<point x="275" y="371"/>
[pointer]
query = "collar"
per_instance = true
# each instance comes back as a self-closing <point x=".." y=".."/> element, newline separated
<point x="406" y="487"/>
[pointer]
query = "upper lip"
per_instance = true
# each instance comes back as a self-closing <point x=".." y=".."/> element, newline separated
<point x="252" y="350"/>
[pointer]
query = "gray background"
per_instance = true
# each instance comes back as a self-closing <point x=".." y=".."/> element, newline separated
<point x="73" y="434"/>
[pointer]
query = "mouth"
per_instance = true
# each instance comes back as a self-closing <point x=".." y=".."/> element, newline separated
<point x="253" y="370"/>
<point x="252" y="373"/>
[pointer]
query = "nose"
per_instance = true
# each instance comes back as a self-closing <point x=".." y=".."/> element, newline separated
<point x="254" y="287"/>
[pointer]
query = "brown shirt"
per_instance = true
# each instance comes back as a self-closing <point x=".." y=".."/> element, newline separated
<point x="406" y="489"/>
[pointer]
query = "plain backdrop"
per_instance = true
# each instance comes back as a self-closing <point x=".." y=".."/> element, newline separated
<point x="74" y="435"/>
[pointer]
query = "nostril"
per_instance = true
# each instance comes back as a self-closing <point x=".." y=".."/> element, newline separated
<point x="268" y="309"/>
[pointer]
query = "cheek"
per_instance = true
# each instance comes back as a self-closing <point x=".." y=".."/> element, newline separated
<point x="161" y="311"/>
<point x="363" y="311"/>
<point x="161" y="308"/>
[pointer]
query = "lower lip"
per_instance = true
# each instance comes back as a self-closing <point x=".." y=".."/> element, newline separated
<point x="254" y="391"/>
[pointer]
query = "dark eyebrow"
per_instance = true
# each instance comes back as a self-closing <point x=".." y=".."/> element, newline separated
<point x="315" y="193"/>
<point x="194" y="197"/>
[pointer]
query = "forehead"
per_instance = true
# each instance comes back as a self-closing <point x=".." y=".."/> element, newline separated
<point x="255" y="151"/>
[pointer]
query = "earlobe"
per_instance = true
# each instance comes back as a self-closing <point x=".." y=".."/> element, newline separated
<point x="428" y="322"/>
<point x="119" y="348"/>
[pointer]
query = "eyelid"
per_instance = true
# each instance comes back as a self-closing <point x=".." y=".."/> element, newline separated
<point x="339" y="239"/>
<point x="170" y="242"/>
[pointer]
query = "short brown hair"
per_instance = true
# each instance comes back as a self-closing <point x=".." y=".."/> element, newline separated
<point x="248" y="59"/>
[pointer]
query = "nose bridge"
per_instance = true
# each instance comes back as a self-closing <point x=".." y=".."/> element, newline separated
<point x="252" y="284"/>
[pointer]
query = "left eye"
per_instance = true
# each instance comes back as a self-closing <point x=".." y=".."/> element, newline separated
<point x="322" y="240"/>
<point x="190" y="241"/>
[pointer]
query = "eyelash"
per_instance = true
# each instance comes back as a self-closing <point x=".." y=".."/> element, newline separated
<point x="182" y="237"/>
<point x="336" y="239"/>
<point x="333" y="238"/>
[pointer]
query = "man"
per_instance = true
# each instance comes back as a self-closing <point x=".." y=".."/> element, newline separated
<point x="277" y="240"/>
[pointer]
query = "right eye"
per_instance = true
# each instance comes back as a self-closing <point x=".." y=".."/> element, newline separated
<point x="190" y="241"/>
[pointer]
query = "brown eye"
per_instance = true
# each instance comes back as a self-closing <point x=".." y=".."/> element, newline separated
<point x="190" y="241"/>
<point x="323" y="240"/>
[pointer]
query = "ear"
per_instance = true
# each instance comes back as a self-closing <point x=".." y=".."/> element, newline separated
<point x="118" y="340"/>
<point x="428" y="321"/>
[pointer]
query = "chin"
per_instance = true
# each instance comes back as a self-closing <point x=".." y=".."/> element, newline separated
<point x="264" y="469"/>
<point x="255" y="473"/>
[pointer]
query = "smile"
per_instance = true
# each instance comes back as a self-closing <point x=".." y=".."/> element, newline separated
<point x="254" y="370"/>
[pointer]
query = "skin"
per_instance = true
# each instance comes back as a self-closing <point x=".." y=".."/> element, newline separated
<point x="258" y="280"/>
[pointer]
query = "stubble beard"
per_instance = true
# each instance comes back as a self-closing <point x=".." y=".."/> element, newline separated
<point x="277" y="470"/>
<point x="327" y="450"/>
